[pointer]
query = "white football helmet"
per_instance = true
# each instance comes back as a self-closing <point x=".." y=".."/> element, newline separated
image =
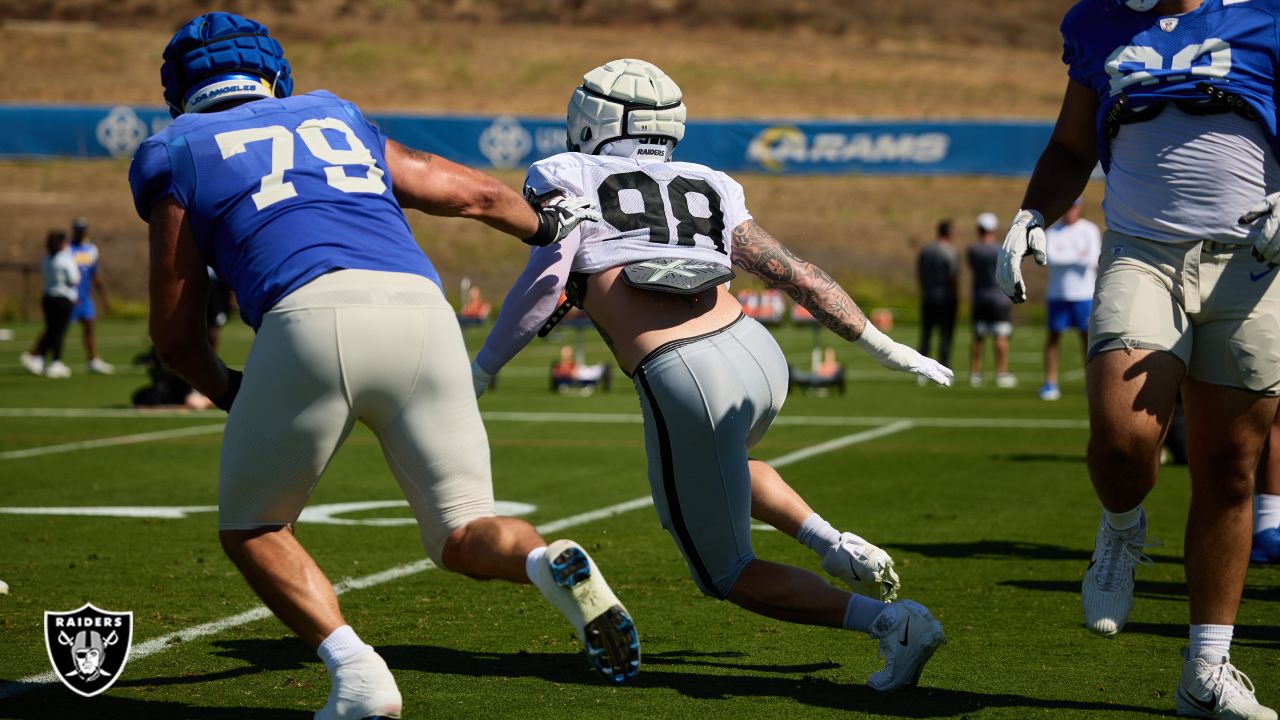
<point x="624" y="99"/>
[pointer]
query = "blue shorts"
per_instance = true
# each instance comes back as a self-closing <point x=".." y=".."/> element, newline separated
<point x="1065" y="314"/>
<point x="83" y="310"/>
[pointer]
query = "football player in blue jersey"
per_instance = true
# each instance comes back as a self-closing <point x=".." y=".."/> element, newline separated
<point x="296" y="203"/>
<point x="1176" y="98"/>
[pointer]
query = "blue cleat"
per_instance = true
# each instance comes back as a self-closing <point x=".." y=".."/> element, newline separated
<point x="1266" y="547"/>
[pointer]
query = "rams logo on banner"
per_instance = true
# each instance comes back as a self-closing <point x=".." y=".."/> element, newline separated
<point x="88" y="647"/>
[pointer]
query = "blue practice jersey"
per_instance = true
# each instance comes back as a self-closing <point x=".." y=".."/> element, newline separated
<point x="86" y="254"/>
<point x="279" y="192"/>
<point x="1141" y="59"/>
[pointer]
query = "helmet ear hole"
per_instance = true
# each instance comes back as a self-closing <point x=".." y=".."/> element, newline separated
<point x="585" y="135"/>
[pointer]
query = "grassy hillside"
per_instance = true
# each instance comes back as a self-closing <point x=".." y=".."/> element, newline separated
<point x="913" y="58"/>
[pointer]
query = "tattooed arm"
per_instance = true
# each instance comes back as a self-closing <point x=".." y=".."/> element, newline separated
<point x="760" y="254"/>
<point x="757" y="252"/>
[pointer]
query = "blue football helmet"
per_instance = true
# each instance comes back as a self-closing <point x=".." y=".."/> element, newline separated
<point x="222" y="56"/>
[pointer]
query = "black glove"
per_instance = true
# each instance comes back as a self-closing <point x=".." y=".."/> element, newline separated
<point x="234" y="378"/>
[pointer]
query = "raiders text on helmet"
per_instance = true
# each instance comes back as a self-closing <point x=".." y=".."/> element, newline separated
<point x="624" y="99"/>
<point x="219" y="57"/>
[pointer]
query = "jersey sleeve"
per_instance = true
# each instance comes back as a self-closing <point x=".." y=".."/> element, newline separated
<point x="735" y="203"/>
<point x="559" y="173"/>
<point x="1071" y="51"/>
<point x="151" y="177"/>
<point x="529" y="302"/>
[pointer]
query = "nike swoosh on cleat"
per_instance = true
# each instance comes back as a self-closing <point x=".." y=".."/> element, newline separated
<point x="854" y="570"/>
<point x="1256" y="276"/>
<point x="1205" y="705"/>
<point x="905" y="629"/>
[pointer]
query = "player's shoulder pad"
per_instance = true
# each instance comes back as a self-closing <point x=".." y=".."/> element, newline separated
<point x="150" y="175"/>
<point x="1271" y="7"/>
<point x="561" y="172"/>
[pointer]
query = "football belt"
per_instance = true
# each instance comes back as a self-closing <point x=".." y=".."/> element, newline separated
<point x="1215" y="101"/>
<point x="679" y="276"/>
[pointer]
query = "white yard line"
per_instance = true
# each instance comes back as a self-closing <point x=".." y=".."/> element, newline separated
<point x="169" y="640"/>
<point x="112" y="441"/>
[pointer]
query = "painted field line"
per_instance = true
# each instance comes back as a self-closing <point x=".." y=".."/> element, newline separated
<point x="164" y="642"/>
<point x="112" y="441"/>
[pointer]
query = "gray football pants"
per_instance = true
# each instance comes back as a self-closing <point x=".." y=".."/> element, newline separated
<point x="706" y="400"/>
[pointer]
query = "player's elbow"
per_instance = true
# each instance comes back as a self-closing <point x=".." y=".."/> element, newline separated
<point x="480" y="199"/>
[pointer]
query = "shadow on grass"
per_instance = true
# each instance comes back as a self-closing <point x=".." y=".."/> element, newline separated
<point x="1010" y="549"/>
<point x="1040" y="457"/>
<point x="741" y="681"/>
<point x="1266" y="637"/>
<point x="59" y="702"/>
<point x="1143" y="589"/>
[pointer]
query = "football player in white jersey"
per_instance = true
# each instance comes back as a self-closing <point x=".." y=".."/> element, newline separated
<point x="652" y="277"/>
<point x="1176" y="98"/>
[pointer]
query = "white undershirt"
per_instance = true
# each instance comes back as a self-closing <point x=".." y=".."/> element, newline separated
<point x="1180" y="177"/>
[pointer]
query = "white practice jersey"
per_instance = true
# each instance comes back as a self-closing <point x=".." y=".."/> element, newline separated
<point x="649" y="208"/>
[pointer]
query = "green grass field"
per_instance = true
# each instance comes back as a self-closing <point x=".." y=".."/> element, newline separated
<point x="981" y="496"/>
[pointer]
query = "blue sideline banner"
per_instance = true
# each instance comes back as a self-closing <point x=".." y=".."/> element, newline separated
<point x="505" y="142"/>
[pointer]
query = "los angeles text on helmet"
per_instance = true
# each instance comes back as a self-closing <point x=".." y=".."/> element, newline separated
<point x="87" y="622"/>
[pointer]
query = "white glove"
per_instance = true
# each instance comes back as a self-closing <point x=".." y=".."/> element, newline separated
<point x="897" y="356"/>
<point x="559" y="216"/>
<point x="480" y="378"/>
<point x="1266" y="247"/>
<point x="1026" y="237"/>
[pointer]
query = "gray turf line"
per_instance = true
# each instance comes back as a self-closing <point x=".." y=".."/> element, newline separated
<point x="169" y="640"/>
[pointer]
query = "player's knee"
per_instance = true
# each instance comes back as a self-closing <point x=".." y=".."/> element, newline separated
<point x="1119" y="454"/>
<point x="238" y="544"/>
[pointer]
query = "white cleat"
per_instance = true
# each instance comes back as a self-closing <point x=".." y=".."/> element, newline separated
<point x="57" y="369"/>
<point x="908" y="637"/>
<point x="1006" y="381"/>
<point x="98" y="366"/>
<point x="1217" y="690"/>
<point x="362" y="688"/>
<point x="33" y="364"/>
<point x="1107" y="591"/>
<point x="579" y="591"/>
<point x="865" y="568"/>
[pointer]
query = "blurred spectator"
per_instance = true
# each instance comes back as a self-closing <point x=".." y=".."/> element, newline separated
<point x="61" y="279"/>
<point x="475" y="311"/>
<point x="568" y="372"/>
<point x="1074" y="245"/>
<point x="86" y="254"/>
<point x="767" y="307"/>
<point x="936" y="268"/>
<point x="991" y="307"/>
<point x="827" y="373"/>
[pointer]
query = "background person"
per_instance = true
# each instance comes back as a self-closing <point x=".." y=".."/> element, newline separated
<point x="936" y="270"/>
<point x="990" y="308"/>
<point x="85" y="312"/>
<point x="1074" y="245"/>
<point x="1266" y="503"/>
<point x="61" y="282"/>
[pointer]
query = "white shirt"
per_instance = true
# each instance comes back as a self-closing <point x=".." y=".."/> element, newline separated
<point x="1180" y="177"/>
<point x="1073" y="260"/>
<point x="61" y="275"/>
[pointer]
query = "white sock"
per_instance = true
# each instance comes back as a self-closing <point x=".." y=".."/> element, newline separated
<point x="817" y="534"/>
<point x="1211" y="642"/>
<point x="1123" y="520"/>
<point x="1266" y="512"/>
<point x="531" y="563"/>
<point x="861" y="612"/>
<point x="340" y="645"/>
